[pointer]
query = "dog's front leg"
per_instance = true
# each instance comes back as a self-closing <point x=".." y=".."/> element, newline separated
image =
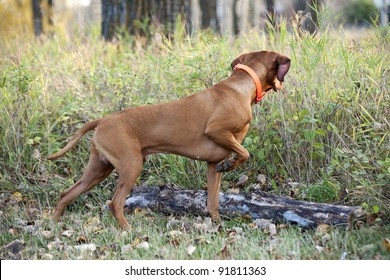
<point x="229" y="141"/>
<point x="213" y="188"/>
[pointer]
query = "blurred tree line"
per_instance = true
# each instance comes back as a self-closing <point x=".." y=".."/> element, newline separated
<point x="222" y="16"/>
<point x="143" y="17"/>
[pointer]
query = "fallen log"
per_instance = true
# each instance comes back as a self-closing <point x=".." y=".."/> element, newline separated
<point x="256" y="205"/>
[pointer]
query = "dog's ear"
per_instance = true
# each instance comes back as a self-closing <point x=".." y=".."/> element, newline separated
<point x="235" y="62"/>
<point x="283" y="65"/>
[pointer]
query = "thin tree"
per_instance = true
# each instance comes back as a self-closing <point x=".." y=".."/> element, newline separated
<point x="37" y="17"/>
<point x="270" y="6"/>
<point x="313" y="7"/>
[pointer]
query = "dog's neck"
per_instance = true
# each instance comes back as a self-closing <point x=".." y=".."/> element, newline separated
<point x="259" y="89"/>
<point x="243" y="84"/>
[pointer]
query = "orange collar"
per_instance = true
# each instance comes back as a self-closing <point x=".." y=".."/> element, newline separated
<point x="259" y="90"/>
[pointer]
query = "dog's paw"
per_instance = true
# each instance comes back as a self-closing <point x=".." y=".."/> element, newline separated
<point x="224" y="166"/>
<point x="216" y="219"/>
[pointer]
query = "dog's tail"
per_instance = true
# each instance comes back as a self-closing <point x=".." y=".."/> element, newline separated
<point x="79" y="133"/>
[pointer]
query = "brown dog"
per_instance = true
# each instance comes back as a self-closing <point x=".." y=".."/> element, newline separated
<point x="208" y="126"/>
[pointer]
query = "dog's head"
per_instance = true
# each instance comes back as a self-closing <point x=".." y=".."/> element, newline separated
<point x="269" y="65"/>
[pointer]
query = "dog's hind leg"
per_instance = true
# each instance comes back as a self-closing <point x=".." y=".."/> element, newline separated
<point x="95" y="172"/>
<point x="129" y="170"/>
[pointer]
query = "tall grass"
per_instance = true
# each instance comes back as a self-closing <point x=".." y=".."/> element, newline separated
<point x="328" y="129"/>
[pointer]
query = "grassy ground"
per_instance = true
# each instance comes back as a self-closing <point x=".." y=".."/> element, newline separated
<point x="324" y="138"/>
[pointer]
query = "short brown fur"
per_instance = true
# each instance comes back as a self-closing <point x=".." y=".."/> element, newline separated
<point x="209" y="126"/>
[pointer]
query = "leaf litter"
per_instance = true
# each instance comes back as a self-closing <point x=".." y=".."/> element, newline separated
<point x="189" y="235"/>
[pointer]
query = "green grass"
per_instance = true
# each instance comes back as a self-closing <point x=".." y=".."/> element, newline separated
<point x="328" y="130"/>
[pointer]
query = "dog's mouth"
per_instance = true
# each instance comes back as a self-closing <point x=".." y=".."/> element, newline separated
<point x="273" y="87"/>
<point x="278" y="85"/>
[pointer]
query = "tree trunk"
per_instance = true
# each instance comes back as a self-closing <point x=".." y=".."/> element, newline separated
<point x="122" y="14"/>
<point x="107" y="19"/>
<point x="236" y="18"/>
<point x="37" y="17"/>
<point x="206" y="13"/>
<point x="225" y="10"/>
<point x="50" y="13"/>
<point x="313" y="7"/>
<point x="256" y="205"/>
<point x="188" y="17"/>
<point x="270" y="5"/>
<point x="270" y="18"/>
<point x="244" y="19"/>
<point x="300" y="5"/>
<point x="384" y="13"/>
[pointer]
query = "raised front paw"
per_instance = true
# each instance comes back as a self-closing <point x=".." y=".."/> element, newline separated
<point x="225" y="165"/>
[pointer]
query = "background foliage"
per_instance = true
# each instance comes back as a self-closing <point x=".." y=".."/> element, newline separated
<point x="324" y="137"/>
